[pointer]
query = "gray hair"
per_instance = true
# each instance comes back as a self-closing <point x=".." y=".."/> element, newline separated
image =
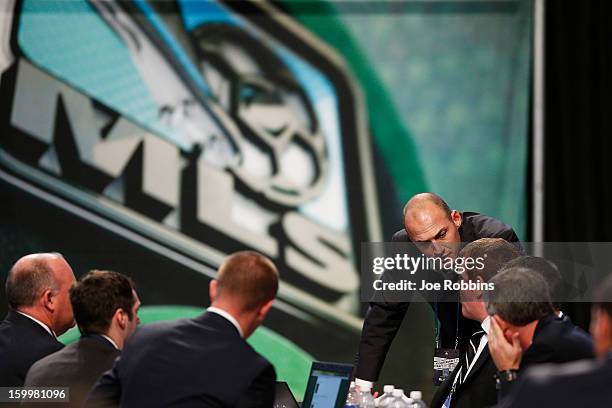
<point x="520" y="296"/>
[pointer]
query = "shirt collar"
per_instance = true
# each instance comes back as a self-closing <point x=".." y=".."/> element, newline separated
<point x="44" y="326"/>
<point x="228" y="316"/>
<point x="110" y="341"/>
<point x="486" y="324"/>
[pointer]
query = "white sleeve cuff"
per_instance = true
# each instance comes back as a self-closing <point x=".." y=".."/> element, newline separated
<point x="360" y="383"/>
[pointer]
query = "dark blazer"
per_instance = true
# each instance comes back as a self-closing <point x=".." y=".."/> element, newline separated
<point x="555" y="340"/>
<point x="78" y="366"/>
<point x="477" y="391"/>
<point x="382" y="320"/>
<point x="22" y="343"/>
<point x="583" y="383"/>
<point x="201" y="362"/>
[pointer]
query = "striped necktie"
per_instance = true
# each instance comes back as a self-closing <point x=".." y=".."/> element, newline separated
<point x="470" y="354"/>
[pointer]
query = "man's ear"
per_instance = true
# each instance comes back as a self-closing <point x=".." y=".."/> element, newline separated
<point x="456" y="218"/>
<point x="121" y="318"/>
<point x="48" y="300"/>
<point x="212" y="290"/>
<point x="265" y="308"/>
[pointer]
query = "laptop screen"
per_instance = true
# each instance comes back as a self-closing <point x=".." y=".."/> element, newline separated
<point x="328" y="385"/>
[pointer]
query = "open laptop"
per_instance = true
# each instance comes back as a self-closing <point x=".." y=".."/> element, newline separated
<point x="328" y="385"/>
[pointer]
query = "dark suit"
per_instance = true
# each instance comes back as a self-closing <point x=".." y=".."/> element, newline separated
<point x="201" y="362"/>
<point x="78" y="366"/>
<point x="579" y="384"/>
<point x="22" y="343"/>
<point x="555" y="340"/>
<point x="383" y="320"/>
<point x="478" y="389"/>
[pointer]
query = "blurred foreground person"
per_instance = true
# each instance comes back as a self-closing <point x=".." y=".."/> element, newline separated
<point x="206" y="361"/>
<point x="579" y="384"/>
<point x="525" y="330"/>
<point x="105" y="306"/>
<point x="39" y="310"/>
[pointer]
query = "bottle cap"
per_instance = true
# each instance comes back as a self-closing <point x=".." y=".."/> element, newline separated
<point x="352" y="384"/>
<point x="416" y="395"/>
<point x="388" y="388"/>
<point x="398" y="392"/>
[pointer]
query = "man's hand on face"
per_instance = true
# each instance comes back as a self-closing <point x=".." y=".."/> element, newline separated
<point x="506" y="355"/>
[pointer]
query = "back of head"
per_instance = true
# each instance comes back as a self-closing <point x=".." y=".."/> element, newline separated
<point x="520" y="296"/>
<point x="247" y="278"/>
<point x="96" y="297"/>
<point x="547" y="269"/>
<point x="495" y="253"/>
<point x="29" y="278"/>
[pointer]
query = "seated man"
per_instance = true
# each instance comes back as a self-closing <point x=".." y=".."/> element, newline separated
<point x="525" y="330"/>
<point x="204" y="361"/>
<point x="578" y="384"/>
<point x="472" y="383"/>
<point x="39" y="311"/>
<point x="105" y="307"/>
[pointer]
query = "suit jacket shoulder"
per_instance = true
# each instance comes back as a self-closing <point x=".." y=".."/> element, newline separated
<point x="77" y="366"/>
<point x="206" y="361"/>
<point x="556" y="341"/>
<point x="22" y="343"/>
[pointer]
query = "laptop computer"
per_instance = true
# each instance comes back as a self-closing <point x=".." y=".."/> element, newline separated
<point x="328" y="385"/>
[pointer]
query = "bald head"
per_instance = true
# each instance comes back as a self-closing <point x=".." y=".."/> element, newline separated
<point x="431" y="224"/>
<point x="248" y="278"/>
<point x="30" y="276"/>
<point x="38" y="285"/>
<point x="425" y="202"/>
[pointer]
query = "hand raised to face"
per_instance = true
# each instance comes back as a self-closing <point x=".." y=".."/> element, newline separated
<point x="506" y="355"/>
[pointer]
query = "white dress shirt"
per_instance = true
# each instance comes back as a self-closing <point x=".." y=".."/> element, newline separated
<point x="228" y="316"/>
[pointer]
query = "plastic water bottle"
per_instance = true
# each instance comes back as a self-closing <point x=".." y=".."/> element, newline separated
<point x="397" y="400"/>
<point x="351" y="398"/>
<point x="365" y="398"/>
<point x="386" y="398"/>
<point x="417" y="401"/>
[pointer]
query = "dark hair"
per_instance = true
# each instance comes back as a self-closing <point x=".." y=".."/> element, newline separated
<point x="603" y="296"/>
<point x="520" y="296"/>
<point x="496" y="252"/>
<point x="96" y="297"/>
<point x="249" y="276"/>
<point x="26" y="283"/>
<point x="547" y="269"/>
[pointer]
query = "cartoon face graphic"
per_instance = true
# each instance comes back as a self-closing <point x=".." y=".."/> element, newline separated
<point x="282" y="150"/>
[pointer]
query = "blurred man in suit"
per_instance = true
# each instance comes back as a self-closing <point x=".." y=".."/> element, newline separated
<point x="206" y="361"/>
<point x="472" y="383"/>
<point x="437" y="231"/>
<point x="525" y="330"/>
<point x="39" y="310"/>
<point x="105" y="306"/>
<point x="580" y="384"/>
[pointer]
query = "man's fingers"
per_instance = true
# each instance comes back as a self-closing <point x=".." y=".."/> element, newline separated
<point x="515" y="341"/>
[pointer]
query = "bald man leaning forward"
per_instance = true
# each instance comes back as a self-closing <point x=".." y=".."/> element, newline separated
<point x="37" y="289"/>
<point x="437" y="231"/>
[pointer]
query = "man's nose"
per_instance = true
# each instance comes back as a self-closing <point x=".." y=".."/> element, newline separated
<point x="438" y="249"/>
